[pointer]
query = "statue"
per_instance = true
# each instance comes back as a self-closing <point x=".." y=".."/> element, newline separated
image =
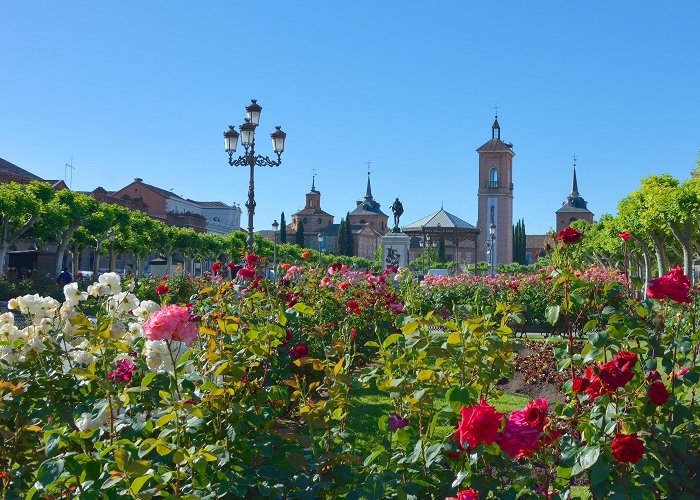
<point x="397" y="209"/>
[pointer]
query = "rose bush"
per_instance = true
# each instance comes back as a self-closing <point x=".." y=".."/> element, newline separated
<point x="244" y="388"/>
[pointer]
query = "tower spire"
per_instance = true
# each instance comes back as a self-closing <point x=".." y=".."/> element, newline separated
<point x="313" y="181"/>
<point x="574" y="184"/>
<point x="368" y="194"/>
<point x="496" y="128"/>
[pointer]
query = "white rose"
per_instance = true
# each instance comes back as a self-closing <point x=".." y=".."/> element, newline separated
<point x="73" y="295"/>
<point x="145" y="309"/>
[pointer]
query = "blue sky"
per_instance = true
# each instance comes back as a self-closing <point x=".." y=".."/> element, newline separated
<point x="145" y="89"/>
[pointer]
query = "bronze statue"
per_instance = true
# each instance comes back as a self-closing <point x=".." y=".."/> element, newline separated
<point x="397" y="209"/>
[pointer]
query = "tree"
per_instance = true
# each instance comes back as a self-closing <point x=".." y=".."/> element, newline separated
<point x="519" y="242"/>
<point x="341" y="241"/>
<point x="441" y="250"/>
<point x="349" y="238"/>
<point x="64" y="214"/>
<point x="21" y="207"/>
<point x="299" y="236"/>
<point x="283" y="229"/>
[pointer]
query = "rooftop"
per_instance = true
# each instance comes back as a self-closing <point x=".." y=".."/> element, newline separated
<point x="442" y="219"/>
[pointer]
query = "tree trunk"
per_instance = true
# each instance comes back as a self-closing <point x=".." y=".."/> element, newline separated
<point x="169" y="265"/>
<point x="684" y="235"/>
<point x="661" y="258"/>
<point x="63" y="246"/>
<point x="3" y="256"/>
<point x="646" y="254"/>
<point x="76" y="261"/>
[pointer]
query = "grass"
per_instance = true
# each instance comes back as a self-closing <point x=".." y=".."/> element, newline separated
<point x="370" y="404"/>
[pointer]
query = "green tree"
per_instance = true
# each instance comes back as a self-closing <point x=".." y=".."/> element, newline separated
<point x="66" y="211"/>
<point x="21" y="207"/>
<point x="441" y="250"/>
<point x="341" y="241"/>
<point x="283" y="229"/>
<point x="519" y="242"/>
<point x="349" y="237"/>
<point x="299" y="236"/>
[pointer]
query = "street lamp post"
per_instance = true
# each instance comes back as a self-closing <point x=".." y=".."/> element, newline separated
<point x="320" y="240"/>
<point x="249" y="157"/>
<point x="428" y="250"/>
<point x="111" y="236"/>
<point x="492" y="235"/>
<point x="275" y="228"/>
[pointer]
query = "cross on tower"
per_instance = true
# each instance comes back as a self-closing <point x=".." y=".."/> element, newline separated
<point x="369" y="164"/>
<point x="496" y="110"/>
<point x="574" y="157"/>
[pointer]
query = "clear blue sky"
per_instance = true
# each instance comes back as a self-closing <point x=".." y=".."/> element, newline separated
<point x="145" y="89"/>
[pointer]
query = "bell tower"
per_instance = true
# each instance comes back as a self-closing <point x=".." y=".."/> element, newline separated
<point x="495" y="198"/>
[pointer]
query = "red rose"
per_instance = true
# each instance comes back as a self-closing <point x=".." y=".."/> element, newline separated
<point x="231" y="265"/>
<point x="299" y="351"/>
<point x="251" y="259"/>
<point x="627" y="448"/>
<point x="653" y="376"/>
<point x="658" y="393"/>
<point x="353" y="333"/>
<point x="618" y="371"/>
<point x="580" y="384"/>
<point x="625" y="235"/>
<point x="215" y="267"/>
<point x="469" y="494"/>
<point x="162" y="289"/>
<point x="286" y="266"/>
<point x="569" y="235"/>
<point x="479" y="424"/>
<point x="306" y="255"/>
<point x="595" y="387"/>
<point x="246" y="273"/>
<point x="675" y="285"/>
<point x="535" y="413"/>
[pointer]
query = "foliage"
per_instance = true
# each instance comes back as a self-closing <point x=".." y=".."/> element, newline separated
<point x="299" y="235"/>
<point x="283" y="229"/>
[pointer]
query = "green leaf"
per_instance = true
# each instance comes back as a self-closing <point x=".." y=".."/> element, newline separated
<point x="303" y="309"/>
<point x="552" y="314"/>
<point x="390" y="340"/>
<point x="590" y="325"/>
<point x="148" y="378"/>
<point x="121" y="458"/>
<point x="50" y="471"/>
<point x="409" y="327"/>
<point x="139" y="482"/>
<point x="454" y="338"/>
<point x="588" y="456"/>
<point x="598" y="339"/>
<point x="165" y="419"/>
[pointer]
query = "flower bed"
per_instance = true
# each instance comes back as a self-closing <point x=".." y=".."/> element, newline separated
<point x="245" y="390"/>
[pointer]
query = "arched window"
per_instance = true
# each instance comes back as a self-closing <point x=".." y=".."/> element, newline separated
<point x="493" y="177"/>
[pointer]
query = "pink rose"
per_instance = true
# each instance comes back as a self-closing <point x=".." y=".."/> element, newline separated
<point x="171" y="323"/>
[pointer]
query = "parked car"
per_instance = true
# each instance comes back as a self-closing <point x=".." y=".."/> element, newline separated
<point x="84" y="274"/>
<point x="438" y="272"/>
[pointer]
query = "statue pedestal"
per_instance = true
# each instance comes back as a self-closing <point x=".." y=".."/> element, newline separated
<point x="395" y="250"/>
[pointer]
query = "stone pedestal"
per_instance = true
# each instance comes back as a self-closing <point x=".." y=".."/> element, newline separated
<point x="395" y="250"/>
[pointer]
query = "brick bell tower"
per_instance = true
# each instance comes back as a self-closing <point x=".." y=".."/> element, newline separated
<point x="496" y="197"/>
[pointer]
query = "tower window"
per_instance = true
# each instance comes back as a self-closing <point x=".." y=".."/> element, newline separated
<point x="493" y="177"/>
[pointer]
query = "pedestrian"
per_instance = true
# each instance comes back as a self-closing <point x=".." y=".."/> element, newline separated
<point x="64" y="278"/>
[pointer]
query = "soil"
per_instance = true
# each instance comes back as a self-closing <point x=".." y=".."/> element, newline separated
<point x="520" y="385"/>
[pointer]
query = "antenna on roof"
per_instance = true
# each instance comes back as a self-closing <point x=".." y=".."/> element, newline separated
<point x="69" y="165"/>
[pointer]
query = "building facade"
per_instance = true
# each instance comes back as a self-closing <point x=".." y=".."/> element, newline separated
<point x="495" y="198"/>
<point x="202" y="216"/>
<point x="314" y="220"/>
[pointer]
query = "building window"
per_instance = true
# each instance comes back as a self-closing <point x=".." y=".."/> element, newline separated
<point x="493" y="177"/>
<point x="305" y="220"/>
<point x="319" y="221"/>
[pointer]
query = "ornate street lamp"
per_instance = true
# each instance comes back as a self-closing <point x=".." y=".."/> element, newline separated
<point x="111" y="237"/>
<point x="275" y="228"/>
<point x="247" y="135"/>
<point x="320" y="240"/>
<point x="492" y="235"/>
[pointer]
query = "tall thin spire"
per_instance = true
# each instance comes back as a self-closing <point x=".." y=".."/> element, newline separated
<point x="313" y="182"/>
<point x="368" y="194"/>
<point x="574" y="185"/>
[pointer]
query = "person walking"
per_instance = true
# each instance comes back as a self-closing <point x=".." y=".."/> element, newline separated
<point x="64" y="278"/>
